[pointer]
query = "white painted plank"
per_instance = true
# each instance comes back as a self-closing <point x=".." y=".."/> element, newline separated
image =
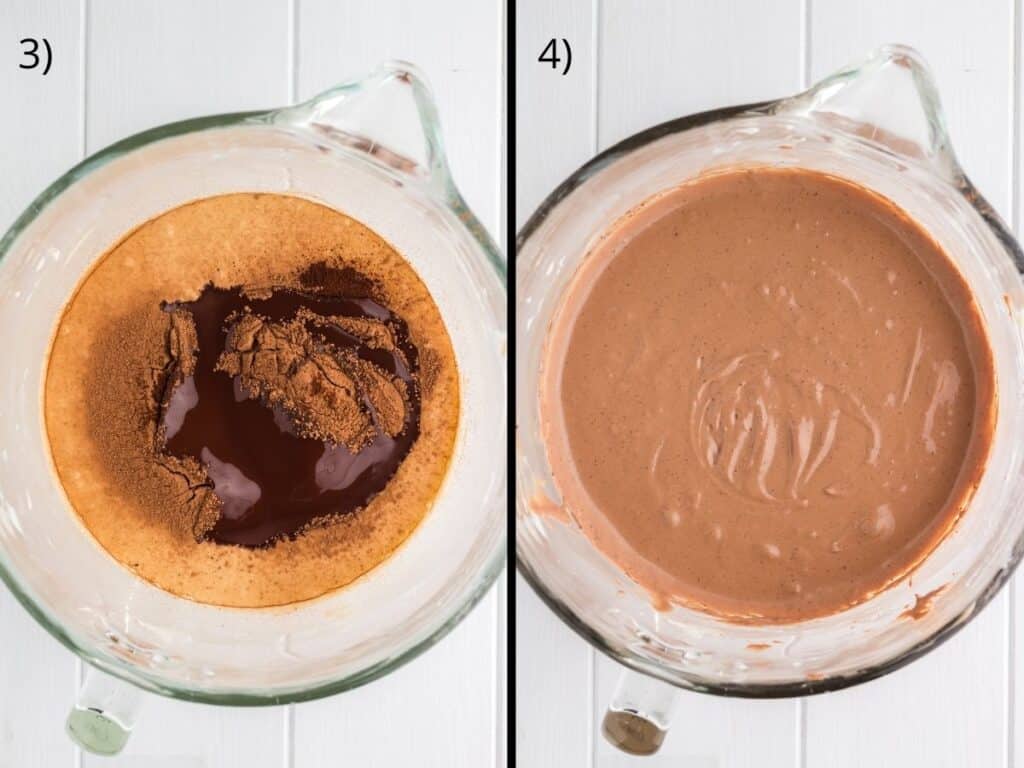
<point x="41" y="110"/>
<point x="435" y="712"/>
<point x="152" y="62"/>
<point x="948" y="709"/>
<point x="555" y="134"/>
<point x="37" y="677"/>
<point x="36" y="674"/>
<point x="666" y="59"/>
<point x="555" y="129"/>
<point x="177" y="734"/>
<point x="149" y="63"/>
<point x="440" y="709"/>
<point x="501" y="662"/>
<point x="501" y="656"/>
<point x="554" y="688"/>
<point x="670" y="60"/>
<point x="942" y="711"/>
<point x="1016" y="596"/>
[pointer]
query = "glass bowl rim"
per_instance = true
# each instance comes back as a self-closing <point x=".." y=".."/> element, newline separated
<point x="136" y="676"/>
<point x="595" y="165"/>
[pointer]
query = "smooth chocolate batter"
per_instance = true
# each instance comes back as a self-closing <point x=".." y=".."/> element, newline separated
<point x="768" y="394"/>
<point x="251" y="400"/>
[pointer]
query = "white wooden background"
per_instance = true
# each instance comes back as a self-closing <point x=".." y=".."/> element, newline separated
<point x="637" y="63"/>
<point x="121" y="66"/>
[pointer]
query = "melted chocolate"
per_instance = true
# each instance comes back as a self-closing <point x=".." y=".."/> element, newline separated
<point x="271" y="481"/>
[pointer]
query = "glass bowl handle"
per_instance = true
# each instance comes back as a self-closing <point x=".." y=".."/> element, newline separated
<point x="639" y="714"/>
<point x="890" y="100"/>
<point x="104" y="713"/>
<point x="390" y="117"/>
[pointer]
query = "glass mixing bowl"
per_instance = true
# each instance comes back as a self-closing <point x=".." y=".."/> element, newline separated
<point x="880" y="125"/>
<point x="371" y="149"/>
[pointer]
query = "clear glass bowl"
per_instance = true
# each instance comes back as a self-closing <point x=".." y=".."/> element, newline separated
<point x="878" y="124"/>
<point x="371" y="149"/>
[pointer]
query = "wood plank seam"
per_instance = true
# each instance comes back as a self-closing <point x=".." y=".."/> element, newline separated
<point x="78" y="756"/>
<point x="1014" y="197"/>
<point x="595" y="84"/>
<point x="806" y="31"/>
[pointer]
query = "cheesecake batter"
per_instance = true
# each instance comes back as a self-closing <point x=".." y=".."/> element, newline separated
<point x="768" y="394"/>
<point x="251" y="400"/>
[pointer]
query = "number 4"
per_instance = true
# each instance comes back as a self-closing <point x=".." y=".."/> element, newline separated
<point x="550" y="54"/>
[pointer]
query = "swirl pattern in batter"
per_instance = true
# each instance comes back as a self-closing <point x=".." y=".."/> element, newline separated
<point x="768" y="393"/>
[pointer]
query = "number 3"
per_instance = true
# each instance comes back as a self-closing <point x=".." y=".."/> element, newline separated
<point x="35" y="56"/>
